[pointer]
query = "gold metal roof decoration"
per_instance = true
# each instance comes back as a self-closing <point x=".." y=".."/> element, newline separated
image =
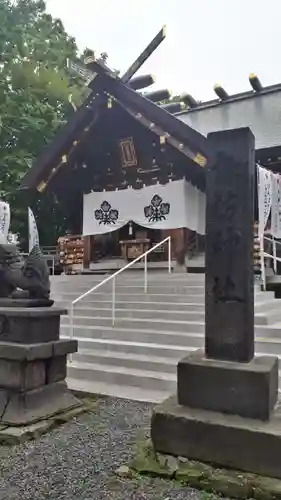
<point x="128" y="152"/>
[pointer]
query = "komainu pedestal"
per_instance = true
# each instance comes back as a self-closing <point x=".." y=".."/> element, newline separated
<point x="32" y="364"/>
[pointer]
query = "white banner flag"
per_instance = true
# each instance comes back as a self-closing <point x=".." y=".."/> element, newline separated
<point x="276" y="206"/>
<point x="32" y="231"/>
<point x="264" y="197"/>
<point x="5" y="219"/>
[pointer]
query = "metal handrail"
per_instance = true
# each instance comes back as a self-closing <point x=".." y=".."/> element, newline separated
<point x="274" y="242"/>
<point x="264" y="254"/>
<point x="272" y="239"/>
<point x="113" y="278"/>
<point x="271" y="256"/>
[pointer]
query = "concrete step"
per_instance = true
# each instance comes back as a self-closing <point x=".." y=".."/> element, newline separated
<point x="135" y="335"/>
<point x="134" y="288"/>
<point x="128" y="296"/>
<point x="137" y="358"/>
<point x="68" y="297"/>
<point x="268" y="339"/>
<point x="133" y="348"/>
<point x="265" y="312"/>
<point x="175" y="351"/>
<point x="151" y="361"/>
<point x="157" y="288"/>
<point x="137" y="288"/>
<point x="82" y="278"/>
<point x="141" y="324"/>
<point x="180" y="279"/>
<point x="139" y="284"/>
<point x="260" y="305"/>
<point x="172" y="312"/>
<point x="171" y="315"/>
<point x="134" y="361"/>
<point x="264" y="306"/>
<point x="125" y="392"/>
<point x="123" y="377"/>
<point x="274" y="317"/>
<point x="157" y="324"/>
<point x="179" y="298"/>
<point x="83" y="308"/>
<point x="120" y="375"/>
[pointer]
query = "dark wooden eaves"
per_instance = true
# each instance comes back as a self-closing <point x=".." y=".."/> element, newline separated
<point x="156" y="118"/>
<point x="60" y="145"/>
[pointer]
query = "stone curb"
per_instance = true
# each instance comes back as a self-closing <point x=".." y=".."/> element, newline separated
<point x="228" y="483"/>
<point x="17" y="435"/>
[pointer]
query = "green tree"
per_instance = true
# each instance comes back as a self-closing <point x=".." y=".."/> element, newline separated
<point x="35" y="86"/>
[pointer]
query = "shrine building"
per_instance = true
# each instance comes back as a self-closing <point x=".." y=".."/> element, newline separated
<point x="131" y="170"/>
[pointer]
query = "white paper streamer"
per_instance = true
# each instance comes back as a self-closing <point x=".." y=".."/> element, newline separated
<point x="276" y="206"/>
<point x="5" y="219"/>
<point x="32" y="231"/>
<point x="264" y="196"/>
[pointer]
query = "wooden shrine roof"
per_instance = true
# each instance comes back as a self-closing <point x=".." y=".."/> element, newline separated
<point x="104" y="86"/>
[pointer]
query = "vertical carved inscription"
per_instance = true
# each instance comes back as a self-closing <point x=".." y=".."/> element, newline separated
<point x="229" y="247"/>
<point x="226" y="241"/>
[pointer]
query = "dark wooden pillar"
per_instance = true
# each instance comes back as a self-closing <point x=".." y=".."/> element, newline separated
<point x="87" y="251"/>
<point x="75" y="213"/>
<point x="178" y="243"/>
<point x="229" y="247"/>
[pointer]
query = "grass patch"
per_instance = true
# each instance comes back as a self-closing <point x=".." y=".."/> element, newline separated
<point x="211" y="480"/>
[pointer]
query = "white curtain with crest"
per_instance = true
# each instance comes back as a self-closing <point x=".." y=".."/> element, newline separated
<point x="177" y="204"/>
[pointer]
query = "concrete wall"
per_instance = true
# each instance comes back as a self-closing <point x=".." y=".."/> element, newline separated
<point x="262" y="113"/>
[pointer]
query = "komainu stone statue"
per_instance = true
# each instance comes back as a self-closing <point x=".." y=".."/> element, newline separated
<point x="33" y="358"/>
<point x="23" y="278"/>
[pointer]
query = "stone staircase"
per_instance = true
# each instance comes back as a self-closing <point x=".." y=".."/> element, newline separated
<point x="137" y="358"/>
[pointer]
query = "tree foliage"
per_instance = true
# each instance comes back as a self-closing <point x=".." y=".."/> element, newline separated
<point x="34" y="97"/>
<point x="173" y="98"/>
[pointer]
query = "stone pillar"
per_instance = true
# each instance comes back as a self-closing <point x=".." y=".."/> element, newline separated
<point x="33" y="365"/>
<point x="222" y="389"/>
<point x="229" y="248"/>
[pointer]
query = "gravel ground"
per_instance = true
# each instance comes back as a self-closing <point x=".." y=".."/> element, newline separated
<point x="78" y="460"/>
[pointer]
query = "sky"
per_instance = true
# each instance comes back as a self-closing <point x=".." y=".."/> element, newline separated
<point x="207" y="42"/>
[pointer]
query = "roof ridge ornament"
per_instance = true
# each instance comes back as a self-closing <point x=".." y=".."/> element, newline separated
<point x="221" y="92"/>
<point x="255" y="82"/>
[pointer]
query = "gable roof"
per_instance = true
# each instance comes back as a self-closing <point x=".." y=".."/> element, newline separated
<point x="64" y="142"/>
<point x="181" y="136"/>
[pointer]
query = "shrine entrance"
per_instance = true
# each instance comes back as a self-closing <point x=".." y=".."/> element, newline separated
<point x="128" y="243"/>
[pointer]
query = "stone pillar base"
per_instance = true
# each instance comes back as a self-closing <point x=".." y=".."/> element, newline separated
<point x="32" y="383"/>
<point x="225" y="413"/>
<point x="246" y="389"/>
<point x="24" y="408"/>
<point x="33" y="365"/>
<point x="225" y="440"/>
